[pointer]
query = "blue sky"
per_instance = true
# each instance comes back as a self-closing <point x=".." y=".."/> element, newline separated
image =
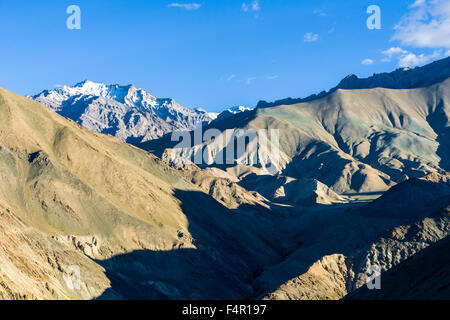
<point x="215" y="53"/>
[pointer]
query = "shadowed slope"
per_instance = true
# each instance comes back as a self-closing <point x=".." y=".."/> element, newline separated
<point x="94" y="196"/>
<point x="426" y="275"/>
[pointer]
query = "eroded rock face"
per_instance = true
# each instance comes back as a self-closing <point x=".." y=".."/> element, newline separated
<point x="422" y="276"/>
<point x="363" y="238"/>
<point x="138" y="228"/>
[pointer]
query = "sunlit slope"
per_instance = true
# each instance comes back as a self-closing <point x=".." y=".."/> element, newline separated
<point x="364" y="140"/>
<point x="77" y="177"/>
<point x="76" y="194"/>
<point x="35" y="265"/>
<point x="92" y="193"/>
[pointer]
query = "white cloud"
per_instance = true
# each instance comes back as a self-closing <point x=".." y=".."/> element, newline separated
<point x="393" y="52"/>
<point x="254" y="6"/>
<point x="408" y="59"/>
<point x="367" y="62"/>
<point x="310" y="37"/>
<point x="447" y="54"/>
<point x="185" y="6"/>
<point x="426" y="25"/>
<point x="250" y="80"/>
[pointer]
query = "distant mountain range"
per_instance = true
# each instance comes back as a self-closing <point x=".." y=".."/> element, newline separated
<point x="134" y="115"/>
<point x="231" y="112"/>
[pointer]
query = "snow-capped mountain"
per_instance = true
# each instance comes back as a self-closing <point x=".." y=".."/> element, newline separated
<point x="129" y="113"/>
<point x="212" y="115"/>
<point x="403" y="78"/>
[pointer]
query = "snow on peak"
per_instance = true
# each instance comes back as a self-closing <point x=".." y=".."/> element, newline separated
<point x="128" y="94"/>
<point x="126" y="110"/>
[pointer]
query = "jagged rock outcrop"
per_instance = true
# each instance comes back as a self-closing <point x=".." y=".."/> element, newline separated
<point x="126" y="112"/>
<point x="338" y="250"/>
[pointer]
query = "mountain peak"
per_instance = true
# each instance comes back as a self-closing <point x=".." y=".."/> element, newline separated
<point x="122" y="110"/>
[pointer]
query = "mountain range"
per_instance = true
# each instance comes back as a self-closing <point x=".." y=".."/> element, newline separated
<point x="126" y="112"/>
<point x="353" y="141"/>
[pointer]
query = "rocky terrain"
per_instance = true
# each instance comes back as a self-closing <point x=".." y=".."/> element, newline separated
<point x="126" y="112"/>
<point x="74" y="197"/>
<point x="361" y="180"/>
<point x="403" y="78"/>
<point x="336" y="260"/>
<point x="352" y="141"/>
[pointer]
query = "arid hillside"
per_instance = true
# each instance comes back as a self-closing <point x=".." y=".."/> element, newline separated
<point x="79" y="205"/>
<point x="74" y="197"/>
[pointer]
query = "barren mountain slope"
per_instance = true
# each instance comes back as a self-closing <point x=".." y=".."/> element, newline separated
<point x="425" y="275"/>
<point x="353" y="141"/>
<point x="138" y="228"/>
